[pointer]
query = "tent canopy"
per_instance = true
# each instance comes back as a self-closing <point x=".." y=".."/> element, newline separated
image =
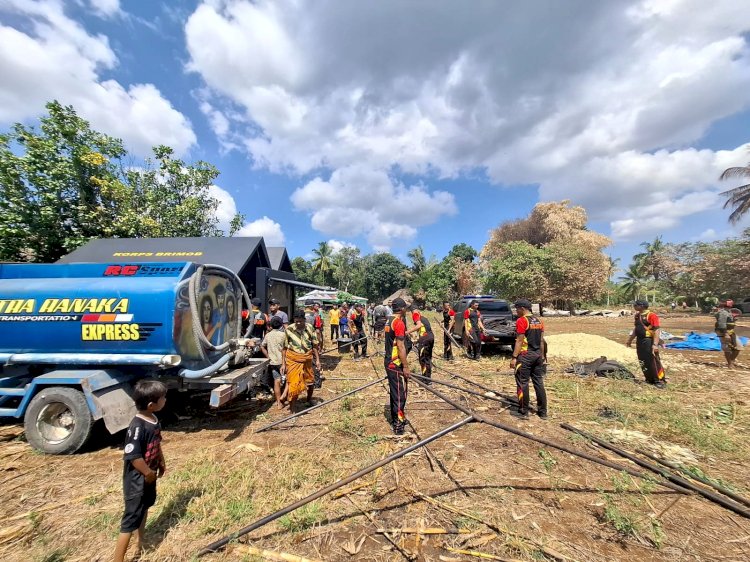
<point x="330" y="296"/>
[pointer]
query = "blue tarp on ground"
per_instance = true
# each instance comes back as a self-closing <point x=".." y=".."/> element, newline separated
<point x="703" y="342"/>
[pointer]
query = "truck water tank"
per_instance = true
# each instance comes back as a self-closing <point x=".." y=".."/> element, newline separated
<point x="115" y="308"/>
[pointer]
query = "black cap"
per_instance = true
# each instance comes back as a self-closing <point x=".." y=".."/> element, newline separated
<point x="276" y="322"/>
<point x="640" y="302"/>
<point x="255" y="301"/>
<point x="472" y="303"/>
<point x="299" y="313"/>
<point x="398" y="304"/>
<point x="273" y="301"/>
<point x="309" y="303"/>
<point x="525" y="303"/>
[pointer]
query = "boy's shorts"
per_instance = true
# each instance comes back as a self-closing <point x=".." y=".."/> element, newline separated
<point x="136" y="508"/>
<point x="276" y="373"/>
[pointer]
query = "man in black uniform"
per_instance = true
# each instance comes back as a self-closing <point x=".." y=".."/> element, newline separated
<point x="357" y="327"/>
<point x="425" y="342"/>
<point x="528" y="360"/>
<point x="449" y="320"/>
<point x="396" y="364"/>
<point x="473" y="328"/>
<point x="646" y="334"/>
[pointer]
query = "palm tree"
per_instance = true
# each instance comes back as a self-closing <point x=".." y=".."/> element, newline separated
<point x="418" y="260"/>
<point x="612" y="268"/>
<point x="648" y="261"/>
<point x="633" y="281"/>
<point x="323" y="261"/>
<point x="738" y="197"/>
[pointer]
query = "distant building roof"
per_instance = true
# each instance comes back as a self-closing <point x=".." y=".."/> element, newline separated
<point x="279" y="258"/>
<point x="401" y="293"/>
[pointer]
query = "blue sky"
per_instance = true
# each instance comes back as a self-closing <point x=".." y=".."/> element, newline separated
<point x="392" y="124"/>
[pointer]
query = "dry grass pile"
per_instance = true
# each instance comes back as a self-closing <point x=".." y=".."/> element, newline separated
<point x="587" y="347"/>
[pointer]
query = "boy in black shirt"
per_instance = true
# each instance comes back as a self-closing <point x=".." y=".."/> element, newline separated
<point x="144" y="462"/>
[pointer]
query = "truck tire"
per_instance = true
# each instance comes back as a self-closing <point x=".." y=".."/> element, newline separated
<point x="58" y="421"/>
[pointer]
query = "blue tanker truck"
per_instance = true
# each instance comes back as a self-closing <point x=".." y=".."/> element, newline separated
<point x="75" y="337"/>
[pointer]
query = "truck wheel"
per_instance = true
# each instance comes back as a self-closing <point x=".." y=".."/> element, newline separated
<point x="58" y="421"/>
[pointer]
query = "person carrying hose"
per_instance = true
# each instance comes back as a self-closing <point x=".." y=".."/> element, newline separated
<point x="425" y="342"/>
<point x="300" y="348"/>
<point x="396" y="364"/>
<point x="449" y="320"/>
<point x="646" y="335"/>
<point x="528" y="360"/>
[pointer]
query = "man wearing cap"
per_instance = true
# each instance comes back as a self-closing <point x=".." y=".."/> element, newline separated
<point x="312" y="317"/>
<point x="380" y="314"/>
<point x="425" y="342"/>
<point x="300" y="348"/>
<point x="273" y="307"/>
<point x="528" y="359"/>
<point x="449" y="320"/>
<point x="646" y="334"/>
<point x="473" y="327"/>
<point x="396" y="364"/>
<point x="724" y="328"/>
<point x="357" y="330"/>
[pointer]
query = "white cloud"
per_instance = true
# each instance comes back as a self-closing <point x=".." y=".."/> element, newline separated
<point x="358" y="200"/>
<point x="53" y="57"/>
<point x="106" y="8"/>
<point x="227" y="208"/>
<point x="337" y="245"/>
<point x="603" y="110"/>
<point x="269" y="229"/>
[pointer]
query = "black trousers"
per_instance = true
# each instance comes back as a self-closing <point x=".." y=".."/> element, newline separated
<point x="650" y="362"/>
<point x="425" y="345"/>
<point x="447" y="347"/>
<point x="398" y="386"/>
<point x="356" y="338"/>
<point x="474" y="344"/>
<point x="531" y="366"/>
<point x="334" y="331"/>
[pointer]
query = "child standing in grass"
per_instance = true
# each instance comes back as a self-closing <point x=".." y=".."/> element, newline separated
<point x="144" y="463"/>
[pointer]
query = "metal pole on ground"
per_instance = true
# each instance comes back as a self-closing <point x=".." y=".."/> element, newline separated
<point x="709" y="495"/>
<point x="311" y="408"/>
<point x="472" y="392"/>
<point x="214" y="546"/>
<point x="552" y="444"/>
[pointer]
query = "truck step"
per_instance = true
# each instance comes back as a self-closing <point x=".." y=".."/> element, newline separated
<point x="12" y="392"/>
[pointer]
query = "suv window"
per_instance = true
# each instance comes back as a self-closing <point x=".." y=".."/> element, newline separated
<point x="494" y="307"/>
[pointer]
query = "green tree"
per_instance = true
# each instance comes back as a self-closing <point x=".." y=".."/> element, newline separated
<point x="633" y="281"/>
<point x="322" y="263"/>
<point x="464" y="252"/>
<point x="345" y="265"/>
<point x="738" y="198"/>
<point x="385" y="275"/>
<point x="303" y="270"/>
<point x="66" y="183"/>
<point x="522" y="270"/>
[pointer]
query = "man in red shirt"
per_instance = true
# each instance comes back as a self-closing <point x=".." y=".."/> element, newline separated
<point x="528" y="360"/>
<point x="646" y="334"/>
<point x="396" y="364"/>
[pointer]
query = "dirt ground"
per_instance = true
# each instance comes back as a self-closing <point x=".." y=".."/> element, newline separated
<point x="496" y="493"/>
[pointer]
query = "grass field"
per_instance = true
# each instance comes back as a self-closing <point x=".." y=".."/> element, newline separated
<point x="510" y="497"/>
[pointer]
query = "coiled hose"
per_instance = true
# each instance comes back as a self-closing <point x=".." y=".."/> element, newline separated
<point x="204" y="344"/>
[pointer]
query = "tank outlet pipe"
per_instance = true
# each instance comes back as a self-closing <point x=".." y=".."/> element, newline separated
<point x="206" y="371"/>
<point x="325" y="403"/>
<point x="709" y="495"/>
<point x="214" y="546"/>
<point x="92" y="359"/>
<point x="548" y="443"/>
